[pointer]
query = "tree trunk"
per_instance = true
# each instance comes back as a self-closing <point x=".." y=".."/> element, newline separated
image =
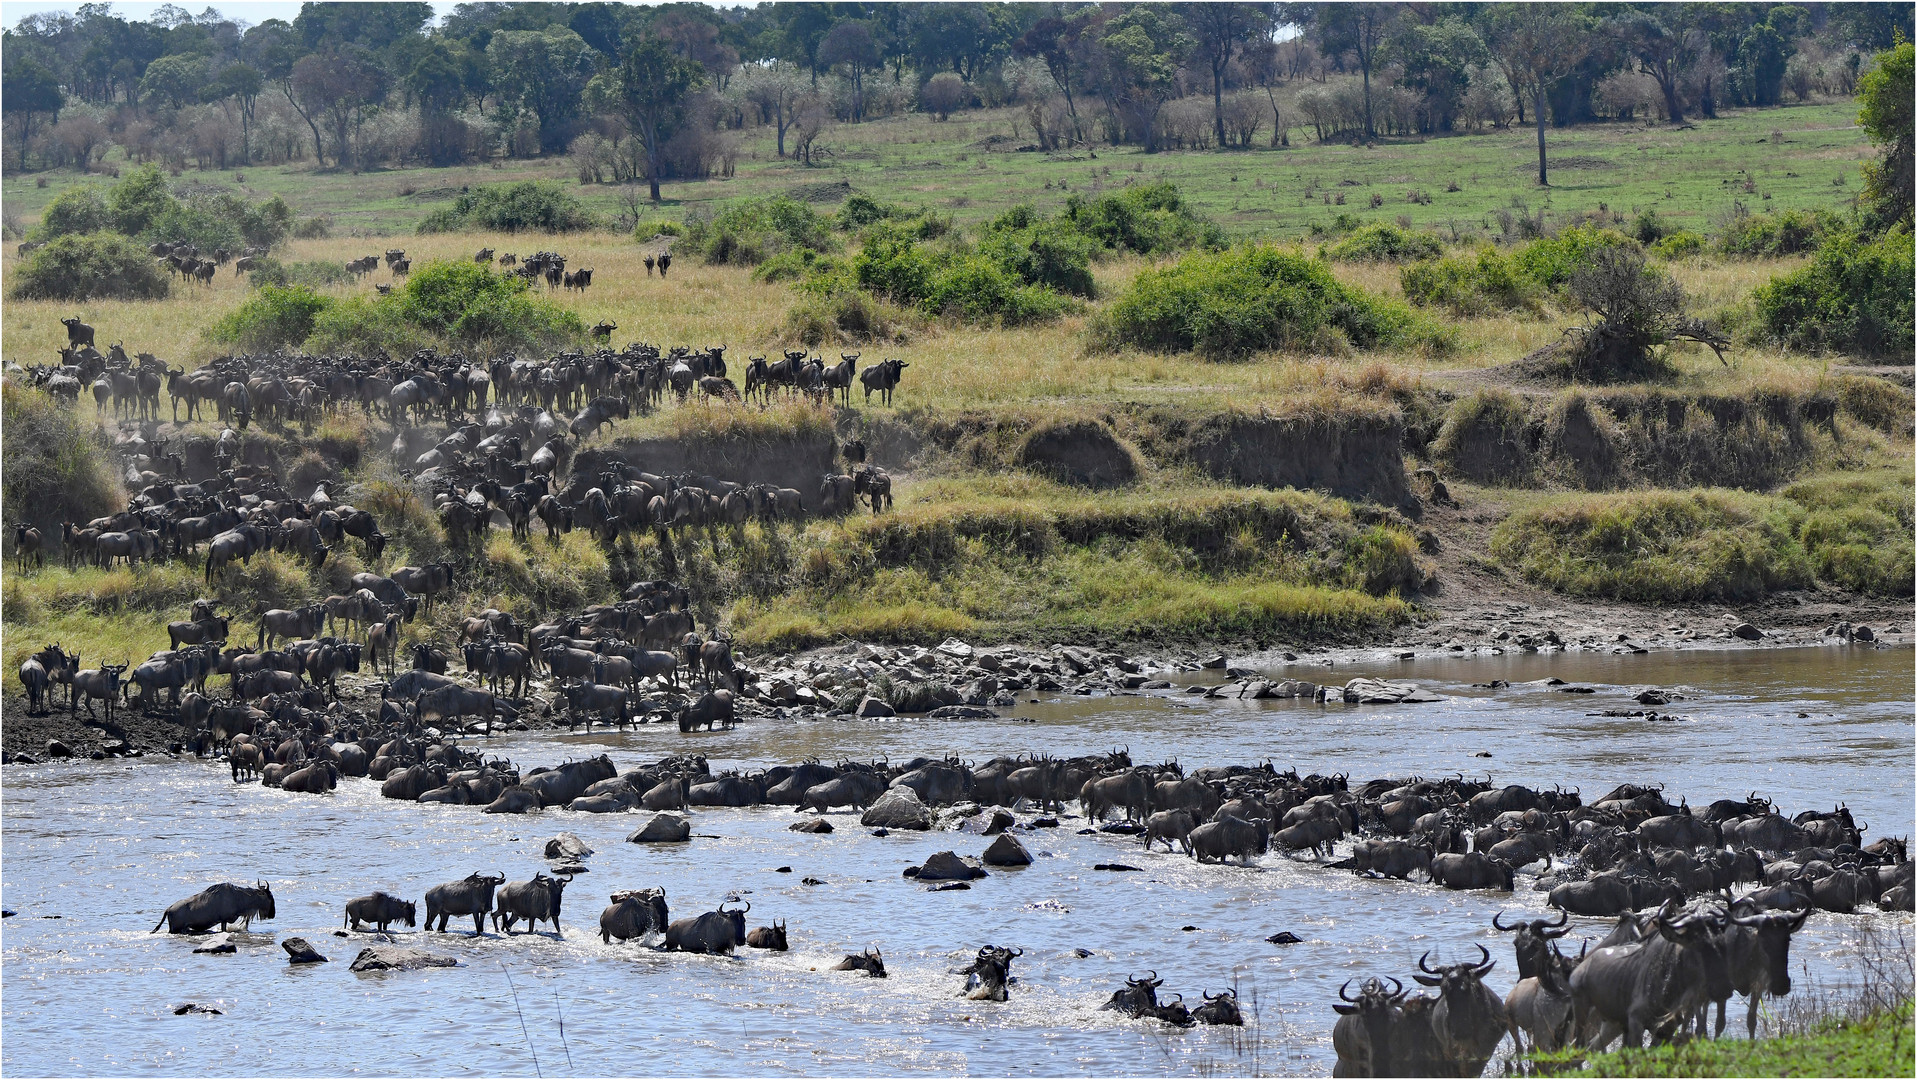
<point x="1369" y="129"/>
<point x="1673" y="108"/>
<point x="1218" y="103"/>
<point x="1539" y="103"/>
<point x="319" y="155"/>
<point x="780" y="120"/>
<point x="1277" y="121"/>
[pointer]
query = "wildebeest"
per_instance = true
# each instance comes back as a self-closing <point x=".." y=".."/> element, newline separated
<point x="1473" y="870"/>
<point x="634" y="914"/>
<point x="988" y="973"/>
<point x="871" y="961"/>
<point x="1220" y="1010"/>
<point x="882" y="377"/>
<point x="380" y="909"/>
<point x="1170" y="825"/>
<point x="1540" y="1005"/>
<point x="1468" y="1020"/>
<point x="1534" y="940"/>
<point x="1216" y="841"/>
<point x="1656" y="984"/>
<point x="1129" y="791"/>
<point x="532" y="901"/>
<point x="1756" y="949"/>
<point x="1138" y="998"/>
<point x="218" y="905"/>
<point x="78" y="333"/>
<point x="1388" y="858"/>
<point x="472" y="896"/>
<point x="718" y="931"/>
<point x="771" y="938"/>
<point x="26" y="545"/>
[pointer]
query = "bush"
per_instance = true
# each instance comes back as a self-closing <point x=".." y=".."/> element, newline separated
<point x="1858" y="532"/>
<point x="275" y="316"/>
<point x="457" y="303"/>
<point x="1648" y="228"/>
<point x="1657" y="547"/>
<point x="312" y="274"/>
<point x="1550" y="262"/>
<point x="749" y="231"/>
<point x="55" y="470"/>
<point x="139" y="199"/>
<point x="966" y="285"/>
<point x="1383" y="560"/>
<point x="794" y="265"/>
<point x="652" y="227"/>
<point x="846" y="316"/>
<point x="96" y="266"/>
<point x="77" y="210"/>
<point x="1770" y="236"/>
<point x="527" y="206"/>
<point x="1385" y="243"/>
<point x="1047" y="254"/>
<point x="1681" y="244"/>
<point x="1481" y="285"/>
<point x="1149" y="219"/>
<point x="1228" y="304"/>
<point x="222" y="221"/>
<point x="1855" y="296"/>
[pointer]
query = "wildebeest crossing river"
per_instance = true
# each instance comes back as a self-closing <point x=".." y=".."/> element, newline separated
<point x="106" y="847"/>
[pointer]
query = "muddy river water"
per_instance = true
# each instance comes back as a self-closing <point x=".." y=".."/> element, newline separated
<point x="93" y="852"/>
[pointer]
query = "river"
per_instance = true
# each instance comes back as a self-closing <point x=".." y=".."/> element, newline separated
<point x="93" y="852"/>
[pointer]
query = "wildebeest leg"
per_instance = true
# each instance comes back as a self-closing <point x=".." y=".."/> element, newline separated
<point x="479" y="923"/>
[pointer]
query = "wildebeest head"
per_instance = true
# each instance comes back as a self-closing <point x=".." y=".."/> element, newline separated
<point x="1533" y="939"/>
<point x="1220" y="1009"/>
<point x="1138" y="998"/>
<point x="737" y="917"/>
<point x="769" y="937"/>
<point x="1774" y="930"/>
<point x="1454" y="978"/>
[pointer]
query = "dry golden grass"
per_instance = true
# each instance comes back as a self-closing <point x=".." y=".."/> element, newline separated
<point x="952" y="365"/>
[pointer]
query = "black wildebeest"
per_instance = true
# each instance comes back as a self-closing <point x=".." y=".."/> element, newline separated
<point x="472" y="896"/>
<point x="218" y="905"/>
<point x="718" y="931"/>
<point x="634" y="914"/>
<point x="533" y="901"/>
<point x="379" y="908"/>
<point x="882" y="377"/>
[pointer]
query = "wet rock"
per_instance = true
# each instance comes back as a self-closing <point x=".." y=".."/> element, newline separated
<point x="567" y="846"/>
<point x="956" y="649"/>
<point x="1285" y="937"/>
<point x="1043" y="823"/>
<point x="298" y="951"/>
<point x="1119" y="867"/>
<point x="816" y="825"/>
<point x="1382" y="692"/>
<point x="1576" y="690"/>
<point x="1006" y="851"/>
<point x="1082" y="953"/>
<point x="25" y="759"/>
<point x="948" y="866"/>
<point x="1122" y="828"/>
<point x="1653" y="697"/>
<point x="898" y="808"/>
<point x="58" y="749"/>
<point x="663" y="829"/>
<point x="783" y="870"/>
<point x="396" y="958"/>
<point x="1746" y="631"/>
<point x="1001" y="821"/>
<point x="218" y="945"/>
<point x="950" y="886"/>
<point x="810" y="881"/>
<point x="1863" y="633"/>
<point x="962" y="712"/>
<point x="1215" y="663"/>
<point x="195" y="1007"/>
<point x="872" y="708"/>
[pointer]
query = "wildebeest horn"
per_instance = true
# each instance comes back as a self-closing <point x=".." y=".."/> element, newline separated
<point x="1018" y="952"/>
<point x="1396" y="992"/>
<point x="1342" y="996"/>
<point x="748" y="906"/>
<point x="1423" y="966"/>
<point x="1500" y="926"/>
<point x="1485" y="964"/>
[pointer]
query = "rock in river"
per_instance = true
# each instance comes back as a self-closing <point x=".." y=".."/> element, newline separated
<point x="663" y="829"/>
<point x="394" y="958"/>
<point x="898" y="808"/>
<point x="299" y="952"/>
<point x="948" y="866"/>
<point x="1007" y="851"/>
<point x="567" y="846"/>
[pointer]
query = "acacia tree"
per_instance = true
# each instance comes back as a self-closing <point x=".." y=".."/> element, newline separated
<point x="542" y="72"/>
<point x="776" y="89"/>
<point x="27" y="89"/>
<point x="1546" y="43"/>
<point x="1663" y="51"/>
<point x="1359" y="29"/>
<point x="1219" y="31"/>
<point x="1144" y="47"/>
<point x="851" y="44"/>
<point x="653" y="84"/>
<point x="243" y="84"/>
<point x="1886" y="94"/>
<point x="1059" y="41"/>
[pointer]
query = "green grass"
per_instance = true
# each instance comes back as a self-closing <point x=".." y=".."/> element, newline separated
<point x="1692" y="177"/>
<point x="1850" y="530"/>
<point x="1879" y="1045"/>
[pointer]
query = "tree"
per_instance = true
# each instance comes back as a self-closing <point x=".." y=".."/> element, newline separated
<point x="942" y="93"/>
<point x="543" y="72"/>
<point x="438" y="85"/>
<point x="697" y="39"/>
<point x="174" y="80"/>
<point x="1662" y="50"/>
<point x="776" y="89"/>
<point x="1145" y="46"/>
<point x="340" y="86"/>
<point x="1544" y="42"/>
<point x="1060" y="42"/>
<point x="803" y="29"/>
<point x="1219" y="31"/>
<point x="1764" y="54"/>
<point x="653" y="84"/>
<point x="1437" y="60"/>
<point x="1885" y="93"/>
<point x="852" y="44"/>
<point x="1265" y="65"/>
<point x="1359" y="29"/>
<point x="243" y="84"/>
<point x="28" y="89"/>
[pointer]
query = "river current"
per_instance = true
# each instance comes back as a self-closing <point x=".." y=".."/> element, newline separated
<point x="94" y="852"/>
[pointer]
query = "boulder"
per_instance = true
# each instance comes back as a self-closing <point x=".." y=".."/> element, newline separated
<point x="948" y="866"/>
<point x="956" y="649"/>
<point x="663" y="829"/>
<point x="1006" y="851"/>
<point x="567" y="846"/>
<point x="298" y="951"/>
<point x="395" y="958"/>
<point x="898" y="808"/>
<point x="1863" y="633"/>
<point x="56" y="748"/>
<point x="962" y="712"/>
<point x="1001" y="821"/>
<point x="816" y="825"/>
<point x="873" y="708"/>
<point x="1746" y="631"/>
<point x="1381" y="692"/>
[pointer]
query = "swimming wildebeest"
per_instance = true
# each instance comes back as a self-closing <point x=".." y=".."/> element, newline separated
<point x="218" y="905"/>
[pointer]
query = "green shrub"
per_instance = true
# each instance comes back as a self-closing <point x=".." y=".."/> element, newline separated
<point x="1858" y="532"/>
<point x="749" y="231"/>
<point x="96" y="266"/>
<point x="366" y="325"/>
<point x="1551" y="261"/>
<point x="966" y="285"/>
<point x="467" y="303"/>
<point x="139" y="199"/>
<point x="215" y="221"/>
<point x="846" y="315"/>
<point x="1466" y="285"/>
<point x="1044" y="253"/>
<point x="1149" y="219"/>
<point x="1648" y="228"/>
<point x="1385" y="243"/>
<point x="1251" y="298"/>
<point x="1658" y="546"/>
<point x="1855" y="296"/>
<point x="317" y="227"/>
<point x="794" y="265"/>
<point x="275" y="316"/>
<point x="1681" y="244"/>
<point x="1341" y="225"/>
<point x="527" y="206"/>
<point x="77" y="210"/>
<point x="860" y="210"/>
<point x="1770" y="236"/>
<point x="313" y="274"/>
<point x="1383" y="560"/>
<point x="55" y="470"/>
<point x="660" y="226"/>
